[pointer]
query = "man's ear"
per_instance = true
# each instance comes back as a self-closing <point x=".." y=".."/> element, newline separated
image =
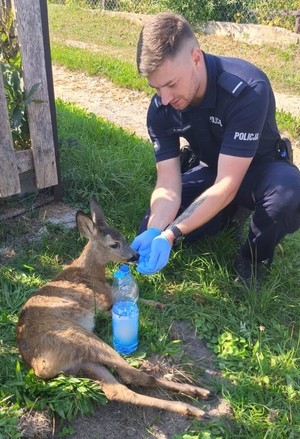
<point x="197" y="56"/>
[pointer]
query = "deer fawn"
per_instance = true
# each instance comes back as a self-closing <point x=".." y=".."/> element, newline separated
<point x="55" y="327"/>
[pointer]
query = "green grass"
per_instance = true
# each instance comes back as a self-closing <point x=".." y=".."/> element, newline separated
<point x="288" y="122"/>
<point x="254" y="335"/>
<point x="99" y="163"/>
<point x="92" y="26"/>
<point x="118" y="37"/>
<point x="120" y="72"/>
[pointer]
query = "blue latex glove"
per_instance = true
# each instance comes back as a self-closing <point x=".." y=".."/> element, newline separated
<point x="142" y="243"/>
<point x="158" y="257"/>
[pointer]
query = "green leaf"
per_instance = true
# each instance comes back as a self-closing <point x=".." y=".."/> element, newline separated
<point x="33" y="89"/>
<point x="16" y="83"/>
<point x="17" y="116"/>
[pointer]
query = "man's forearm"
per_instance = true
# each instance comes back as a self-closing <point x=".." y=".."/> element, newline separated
<point x="164" y="208"/>
<point x="188" y="213"/>
<point x="203" y="209"/>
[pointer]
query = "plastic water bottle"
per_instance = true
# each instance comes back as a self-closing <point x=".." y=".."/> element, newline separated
<point x="125" y="313"/>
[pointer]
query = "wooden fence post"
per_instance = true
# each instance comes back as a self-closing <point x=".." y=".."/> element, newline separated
<point x="30" y="33"/>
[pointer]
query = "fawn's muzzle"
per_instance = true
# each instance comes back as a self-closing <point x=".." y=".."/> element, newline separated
<point x="134" y="258"/>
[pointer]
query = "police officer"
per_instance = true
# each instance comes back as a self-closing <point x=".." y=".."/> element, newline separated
<point x="225" y="109"/>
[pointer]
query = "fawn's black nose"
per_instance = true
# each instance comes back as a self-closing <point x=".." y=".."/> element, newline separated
<point x="134" y="258"/>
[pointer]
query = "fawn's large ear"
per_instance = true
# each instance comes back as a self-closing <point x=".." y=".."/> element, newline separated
<point x="97" y="213"/>
<point x="84" y="224"/>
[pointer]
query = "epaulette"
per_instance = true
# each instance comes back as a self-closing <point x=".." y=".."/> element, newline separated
<point x="231" y="83"/>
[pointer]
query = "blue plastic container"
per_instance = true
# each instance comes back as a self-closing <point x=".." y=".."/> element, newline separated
<point x="125" y="323"/>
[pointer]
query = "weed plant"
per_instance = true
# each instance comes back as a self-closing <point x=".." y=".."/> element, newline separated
<point x="11" y="69"/>
<point x="253" y="335"/>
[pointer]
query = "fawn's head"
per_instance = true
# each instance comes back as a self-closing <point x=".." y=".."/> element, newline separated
<point x="105" y="243"/>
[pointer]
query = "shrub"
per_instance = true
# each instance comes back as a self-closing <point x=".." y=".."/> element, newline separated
<point x="10" y="64"/>
<point x="279" y="15"/>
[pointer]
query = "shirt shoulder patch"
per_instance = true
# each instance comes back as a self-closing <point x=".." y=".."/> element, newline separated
<point x="231" y="83"/>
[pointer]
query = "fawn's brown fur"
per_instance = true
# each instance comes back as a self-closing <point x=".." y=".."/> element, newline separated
<point x="55" y="327"/>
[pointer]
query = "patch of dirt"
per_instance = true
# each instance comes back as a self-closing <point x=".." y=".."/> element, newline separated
<point x="32" y="223"/>
<point x="37" y="425"/>
<point x="124" y="108"/>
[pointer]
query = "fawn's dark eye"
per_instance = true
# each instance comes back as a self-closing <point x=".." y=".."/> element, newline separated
<point x="115" y="245"/>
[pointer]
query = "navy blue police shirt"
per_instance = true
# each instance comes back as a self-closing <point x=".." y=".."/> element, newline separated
<point x="236" y="116"/>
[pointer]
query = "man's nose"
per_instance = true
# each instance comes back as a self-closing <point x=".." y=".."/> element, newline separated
<point x="166" y="97"/>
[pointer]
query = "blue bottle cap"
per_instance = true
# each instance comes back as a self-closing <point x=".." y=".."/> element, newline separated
<point x="119" y="274"/>
<point x="124" y="268"/>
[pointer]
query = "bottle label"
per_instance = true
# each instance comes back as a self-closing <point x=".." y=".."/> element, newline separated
<point x="125" y="326"/>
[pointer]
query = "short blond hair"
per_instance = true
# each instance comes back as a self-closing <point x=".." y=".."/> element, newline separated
<point x="162" y="37"/>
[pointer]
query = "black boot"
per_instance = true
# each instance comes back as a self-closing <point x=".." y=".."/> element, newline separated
<point x="248" y="271"/>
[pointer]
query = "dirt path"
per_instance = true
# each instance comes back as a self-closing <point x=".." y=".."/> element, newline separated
<point x="125" y="108"/>
<point x="128" y="108"/>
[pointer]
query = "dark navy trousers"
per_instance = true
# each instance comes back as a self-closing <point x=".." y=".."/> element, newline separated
<point x="270" y="189"/>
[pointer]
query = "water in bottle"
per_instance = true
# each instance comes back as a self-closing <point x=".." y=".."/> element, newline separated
<point x="125" y="312"/>
<point x="125" y="317"/>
